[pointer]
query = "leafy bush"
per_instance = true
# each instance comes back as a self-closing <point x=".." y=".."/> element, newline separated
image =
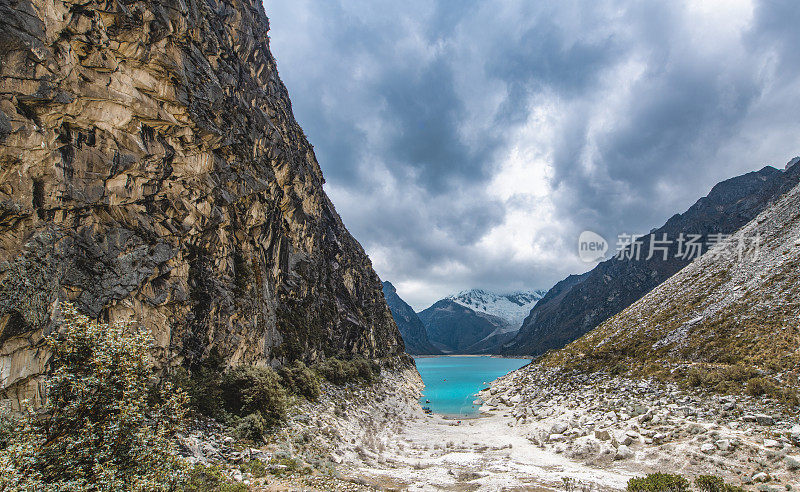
<point x="250" y="389"/>
<point x="257" y="468"/>
<point x="252" y="427"/>
<point x="337" y="371"/>
<point x="658" y="482"/>
<point x="759" y="386"/>
<point x="301" y="381"/>
<point x="203" y="478"/>
<point x="203" y="386"/>
<point x="284" y="465"/>
<point x="341" y="372"/>
<point x="100" y="427"/>
<point x="711" y="483"/>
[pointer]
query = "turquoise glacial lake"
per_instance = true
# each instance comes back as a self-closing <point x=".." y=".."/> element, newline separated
<point x="451" y="382"/>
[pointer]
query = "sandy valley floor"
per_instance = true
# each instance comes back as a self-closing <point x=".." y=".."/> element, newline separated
<point x="484" y="453"/>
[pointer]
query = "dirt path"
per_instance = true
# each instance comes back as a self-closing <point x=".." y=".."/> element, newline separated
<point x="484" y="453"/>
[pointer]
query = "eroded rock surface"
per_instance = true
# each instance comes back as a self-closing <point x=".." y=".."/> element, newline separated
<point x="151" y="169"/>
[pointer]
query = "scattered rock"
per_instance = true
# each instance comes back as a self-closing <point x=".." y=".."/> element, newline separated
<point x="763" y="419"/>
<point x="603" y="435"/>
<point x="723" y="444"/>
<point x="623" y="453"/>
<point x="761" y="477"/>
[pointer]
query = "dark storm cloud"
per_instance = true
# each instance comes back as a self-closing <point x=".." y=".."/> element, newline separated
<point x="467" y="144"/>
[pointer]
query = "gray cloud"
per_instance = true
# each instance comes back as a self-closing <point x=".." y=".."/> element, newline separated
<point x="466" y="144"/>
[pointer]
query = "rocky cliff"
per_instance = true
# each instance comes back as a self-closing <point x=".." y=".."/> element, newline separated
<point x="580" y="303"/>
<point x="411" y="328"/>
<point x="151" y="169"/>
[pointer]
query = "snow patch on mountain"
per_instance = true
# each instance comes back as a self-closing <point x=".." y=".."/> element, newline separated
<point x="512" y="307"/>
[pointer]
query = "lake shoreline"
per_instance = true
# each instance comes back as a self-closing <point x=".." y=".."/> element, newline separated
<point x="493" y="356"/>
<point x="452" y="382"/>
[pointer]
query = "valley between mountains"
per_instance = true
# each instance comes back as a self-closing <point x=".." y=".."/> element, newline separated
<point x="182" y="307"/>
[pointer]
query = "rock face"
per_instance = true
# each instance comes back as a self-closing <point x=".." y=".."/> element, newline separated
<point x="580" y="303"/>
<point x="411" y="328"/>
<point x="151" y="169"/>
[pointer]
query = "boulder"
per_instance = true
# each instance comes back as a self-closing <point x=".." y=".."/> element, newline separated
<point x="764" y="419"/>
<point x="602" y="435"/>
<point x="723" y="444"/>
<point x="623" y="453"/>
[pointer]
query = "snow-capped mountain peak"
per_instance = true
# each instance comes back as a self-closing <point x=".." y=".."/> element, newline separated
<point x="512" y="307"/>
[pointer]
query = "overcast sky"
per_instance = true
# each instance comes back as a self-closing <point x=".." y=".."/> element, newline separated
<point x="467" y="144"/>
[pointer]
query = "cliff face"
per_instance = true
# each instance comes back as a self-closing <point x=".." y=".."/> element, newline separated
<point x="151" y="169"/>
<point x="411" y="328"/>
<point x="578" y="304"/>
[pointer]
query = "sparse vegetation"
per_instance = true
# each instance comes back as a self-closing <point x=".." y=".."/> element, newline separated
<point x="341" y="372"/>
<point x="663" y="482"/>
<point x="249" y="390"/>
<point x="104" y="425"/>
<point x="658" y="482"/>
<point x="202" y="478"/>
<point x="301" y="380"/>
<point x="254" y="400"/>
<point x="711" y="483"/>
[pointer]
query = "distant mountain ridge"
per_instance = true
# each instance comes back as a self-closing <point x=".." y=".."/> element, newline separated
<point x="411" y="328"/>
<point x="454" y="328"/>
<point x="720" y="310"/>
<point x="580" y="303"/>
<point x="477" y="321"/>
<point x="513" y="307"/>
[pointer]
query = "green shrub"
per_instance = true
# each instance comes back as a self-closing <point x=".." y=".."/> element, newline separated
<point x="711" y="483"/>
<point x="252" y="427"/>
<point x="758" y="386"/>
<point x="696" y="377"/>
<point x="336" y="371"/>
<point x="301" y="381"/>
<point x="203" y="478"/>
<point x="341" y="372"/>
<point x="284" y="465"/>
<point x="203" y="386"/>
<point x="250" y="389"/>
<point x="658" y="482"/>
<point x="257" y="468"/>
<point x="99" y="428"/>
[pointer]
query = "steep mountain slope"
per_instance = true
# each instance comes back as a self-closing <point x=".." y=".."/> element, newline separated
<point x="411" y="328"/>
<point x="453" y="328"/>
<point x="724" y="309"/>
<point x="513" y="307"/>
<point x="151" y="169"/>
<point x="581" y="303"/>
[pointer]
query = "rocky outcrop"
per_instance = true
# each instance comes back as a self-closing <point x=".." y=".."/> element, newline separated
<point x="580" y="303"/>
<point x="411" y="328"/>
<point x="151" y="169"/>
